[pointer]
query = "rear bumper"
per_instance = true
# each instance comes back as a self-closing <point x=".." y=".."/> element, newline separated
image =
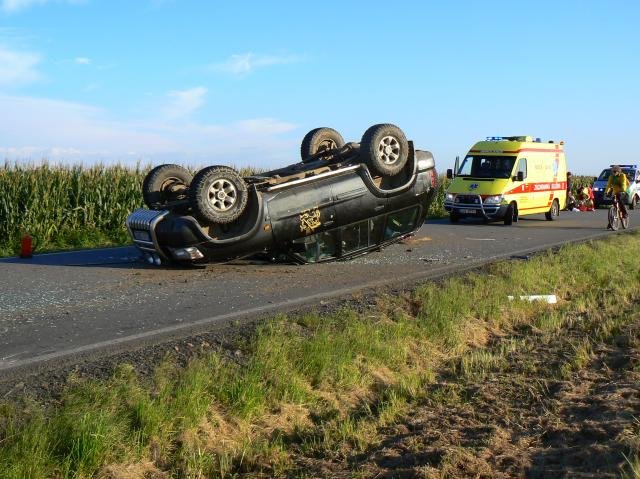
<point x="164" y="238"/>
<point x="142" y="229"/>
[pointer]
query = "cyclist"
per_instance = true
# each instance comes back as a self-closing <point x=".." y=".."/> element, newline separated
<point x="618" y="183"/>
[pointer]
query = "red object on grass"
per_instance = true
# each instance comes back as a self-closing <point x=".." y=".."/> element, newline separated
<point x="26" y="247"/>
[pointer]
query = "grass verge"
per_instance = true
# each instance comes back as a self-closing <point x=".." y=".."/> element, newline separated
<point x="314" y="390"/>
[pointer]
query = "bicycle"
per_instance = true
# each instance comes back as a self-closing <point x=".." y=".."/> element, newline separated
<point x="615" y="215"/>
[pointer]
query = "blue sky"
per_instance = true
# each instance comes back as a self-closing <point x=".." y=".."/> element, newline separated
<point x="204" y="82"/>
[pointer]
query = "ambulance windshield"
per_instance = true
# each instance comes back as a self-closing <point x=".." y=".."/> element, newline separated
<point x="483" y="166"/>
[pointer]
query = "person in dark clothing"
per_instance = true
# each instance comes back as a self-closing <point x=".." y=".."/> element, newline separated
<point x="571" y="200"/>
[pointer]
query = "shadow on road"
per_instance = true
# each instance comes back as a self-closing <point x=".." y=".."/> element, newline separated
<point x="127" y="257"/>
<point x="124" y="257"/>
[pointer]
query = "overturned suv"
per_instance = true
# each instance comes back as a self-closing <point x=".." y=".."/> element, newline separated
<point x="341" y="200"/>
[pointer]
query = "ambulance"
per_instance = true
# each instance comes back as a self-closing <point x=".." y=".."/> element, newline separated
<point x="504" y="178"/>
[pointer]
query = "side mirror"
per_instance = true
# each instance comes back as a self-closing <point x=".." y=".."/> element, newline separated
<point x="449" y="174"/>
<point x="595" y="178"/>
<point x="520" y="176"/>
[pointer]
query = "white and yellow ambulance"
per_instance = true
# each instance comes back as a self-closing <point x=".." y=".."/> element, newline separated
<point x="507" y="177"/>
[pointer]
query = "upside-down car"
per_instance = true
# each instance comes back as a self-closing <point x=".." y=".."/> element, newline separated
<point x="341" y="200"/>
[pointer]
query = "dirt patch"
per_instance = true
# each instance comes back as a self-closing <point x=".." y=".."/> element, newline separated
<point x="525" y="419"/>
<point x="145" y="470"/>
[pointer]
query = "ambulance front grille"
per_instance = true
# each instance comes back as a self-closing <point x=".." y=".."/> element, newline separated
<point x="468" y="199"/>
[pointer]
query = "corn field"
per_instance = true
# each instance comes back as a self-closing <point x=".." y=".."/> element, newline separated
<point x="62" y="207"/>
<point x="74" y="206"/>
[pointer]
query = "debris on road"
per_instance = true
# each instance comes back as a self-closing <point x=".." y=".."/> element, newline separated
<point x="548" y="298"/>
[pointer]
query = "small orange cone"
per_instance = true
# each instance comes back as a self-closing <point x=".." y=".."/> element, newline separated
<point x="26" y="247"/>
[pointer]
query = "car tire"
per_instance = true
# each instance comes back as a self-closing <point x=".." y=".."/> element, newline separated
<point x="218" y="194"/>
<point x="596" y="205"/>
<point x="511" y="214"/>
<point x="553" y="212"/>
<point x="454" y="217"/>
<point x="385" y="149"/>
<point x="319" y="140"/>
<point x="165" y="183"/>
<point x="634" y="202"/>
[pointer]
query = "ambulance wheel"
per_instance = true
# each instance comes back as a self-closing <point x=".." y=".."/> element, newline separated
<point x="553" y="212"/>
<point x="634" y="202"/>
<point x="511" y="215"/>
<point x="385" y="148"/>
<point x="454" y="217"/>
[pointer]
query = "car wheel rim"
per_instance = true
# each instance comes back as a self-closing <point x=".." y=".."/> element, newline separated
<point x="172" y="185"/>
<point x="389" y="150"/>
<point x="222" y="195"/>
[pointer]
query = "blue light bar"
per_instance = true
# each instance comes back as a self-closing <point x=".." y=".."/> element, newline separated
<point x="496" y="138"/>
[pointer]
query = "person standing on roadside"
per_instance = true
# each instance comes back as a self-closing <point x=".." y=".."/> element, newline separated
<point x="571" y="200"/>
<point x="618" y="184"/>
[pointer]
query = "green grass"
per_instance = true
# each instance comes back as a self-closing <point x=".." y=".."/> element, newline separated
<point x="436" y="209"/>
<point x="320" y="386"/>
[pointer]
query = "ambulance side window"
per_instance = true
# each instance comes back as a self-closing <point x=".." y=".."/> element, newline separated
<point x="522" y="166"/>
<point x="465" y="168"/>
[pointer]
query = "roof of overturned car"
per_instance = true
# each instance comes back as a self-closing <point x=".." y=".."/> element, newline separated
<point x="341" y="200"/>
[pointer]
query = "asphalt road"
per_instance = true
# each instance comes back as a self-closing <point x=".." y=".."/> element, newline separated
<point x="61" y="305"/>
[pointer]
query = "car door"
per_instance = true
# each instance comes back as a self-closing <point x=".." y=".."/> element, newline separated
<point x="526" y="199"/>
<point x="301" y="210"/>
<point x="353" y="200"/>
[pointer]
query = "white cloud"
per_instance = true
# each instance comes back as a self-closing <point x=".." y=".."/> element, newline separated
<point x="246" y="63"/>
<point x="17" y="68"/>
<point x="264" y="126"/>
<point x="184" y="102"/>
<point x="15" y="5"/>
<point x="11" y="6"/>
<point x="66" y="132"/>
<point x="82" y="60"/>
<point x="38" y="124"/>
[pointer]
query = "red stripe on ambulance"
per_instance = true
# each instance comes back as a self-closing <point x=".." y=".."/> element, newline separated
<point x="538" y="187"/>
